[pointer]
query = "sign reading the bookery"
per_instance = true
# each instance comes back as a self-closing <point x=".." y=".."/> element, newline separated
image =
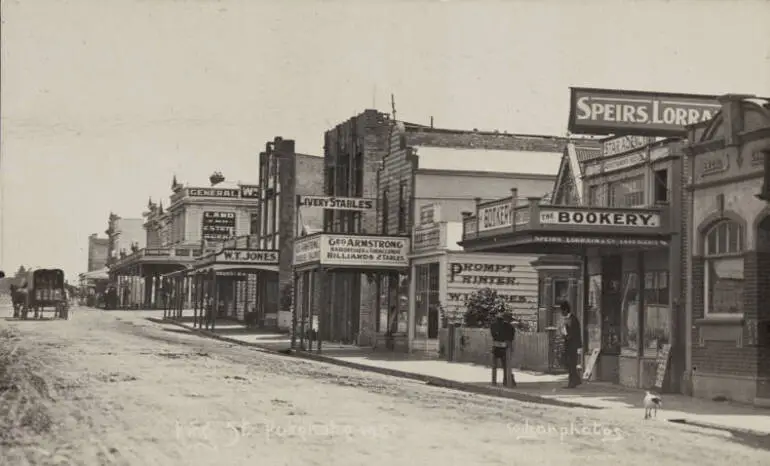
<point x="512" y="277"/>
<point x="213" y="192"/>
<point x="218" y="226"/>
<point x="364" y="251"/>
<point x="248" y="256"/>
<point x="609" y="111"/>
<point x="600" y="217"/>
<point x="307" y="250"/>
<point x="336" y="203"/>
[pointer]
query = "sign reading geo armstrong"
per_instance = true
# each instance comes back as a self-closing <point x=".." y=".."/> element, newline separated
<point x="609" y="111"/>
<point x="353" y="251"/>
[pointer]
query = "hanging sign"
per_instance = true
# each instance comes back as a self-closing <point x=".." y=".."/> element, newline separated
<point x="307" y="250"/>
<point x="609" y="111"/>
<point x="248" y="256"/>
<point x="364" y="251"/>
<point x="600" y="217"/>
<point x="336" y="203"/>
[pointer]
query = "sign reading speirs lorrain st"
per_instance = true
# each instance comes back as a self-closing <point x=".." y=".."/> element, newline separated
<point x="364" y="251"/>
<point x="512" y="277"/>
<point x="307" y="250"/>
<point x="584" y="240"/>
<point x="218" y="226"/>
<point x="248" y="256"/>
<point x="600" y="218"/>
<point x="336" y="203"/>
<point x="608" y="111"/>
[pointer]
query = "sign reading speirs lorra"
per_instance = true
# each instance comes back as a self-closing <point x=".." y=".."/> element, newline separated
<point x="608" y="111"/>
<point x="248" y="256"/>
<point x="603" y="218"/>
<point x="336" y="203"/>
<point x="368" y="251"/>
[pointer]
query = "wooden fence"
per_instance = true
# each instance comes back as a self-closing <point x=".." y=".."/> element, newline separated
<point x="531" y="350"/>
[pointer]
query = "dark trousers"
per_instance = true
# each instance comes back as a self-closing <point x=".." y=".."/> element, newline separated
<point x="501" y="356"/>
<point x="570" y="363"/>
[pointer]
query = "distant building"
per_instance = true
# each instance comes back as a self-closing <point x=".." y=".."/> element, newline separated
<point x="125" y="236"/>
<point x="97" y="252"/>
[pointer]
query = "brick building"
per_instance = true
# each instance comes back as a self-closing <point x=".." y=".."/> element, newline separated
<point x="97" y="252"/>
<point x="728" y="256"/>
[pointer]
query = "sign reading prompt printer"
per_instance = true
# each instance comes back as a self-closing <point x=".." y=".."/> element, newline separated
<point x="364" y="251"/>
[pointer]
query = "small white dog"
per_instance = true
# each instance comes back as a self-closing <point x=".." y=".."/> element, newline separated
<point x="651" y="404"/>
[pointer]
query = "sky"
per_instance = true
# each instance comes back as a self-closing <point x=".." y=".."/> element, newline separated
<point x="104" y="101"/>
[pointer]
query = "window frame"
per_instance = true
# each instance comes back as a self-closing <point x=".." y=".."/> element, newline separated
<point x="710" y="258"/>
<point x="612" y="201"/>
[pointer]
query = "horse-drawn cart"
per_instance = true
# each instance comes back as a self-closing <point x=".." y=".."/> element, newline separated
<point x="41" y="290"/>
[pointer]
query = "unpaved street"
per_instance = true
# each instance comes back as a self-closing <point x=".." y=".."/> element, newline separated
<point x="127" y="391"/>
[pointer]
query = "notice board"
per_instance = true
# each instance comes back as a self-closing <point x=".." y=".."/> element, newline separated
<point x="662" y="365"/>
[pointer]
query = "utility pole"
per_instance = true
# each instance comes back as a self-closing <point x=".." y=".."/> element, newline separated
<point x="393" y="106"/>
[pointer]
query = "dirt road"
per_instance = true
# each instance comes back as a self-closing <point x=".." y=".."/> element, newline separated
<point x="125" y="391"/>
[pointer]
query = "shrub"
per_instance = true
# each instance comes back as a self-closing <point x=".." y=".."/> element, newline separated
<point x="483" y="306"/>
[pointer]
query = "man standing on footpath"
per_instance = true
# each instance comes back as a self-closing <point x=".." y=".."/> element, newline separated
<point x="572" y="343"/>
<point x="502" y="345"/>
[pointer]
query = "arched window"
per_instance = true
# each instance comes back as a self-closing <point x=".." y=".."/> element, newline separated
<point x="724" y="280"/>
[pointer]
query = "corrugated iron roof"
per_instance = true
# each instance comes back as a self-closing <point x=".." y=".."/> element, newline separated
<point x="504" y="161"/>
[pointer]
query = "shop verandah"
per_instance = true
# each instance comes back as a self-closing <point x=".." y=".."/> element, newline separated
<point x="231" y="284"/>
<point x="625" y="287"/>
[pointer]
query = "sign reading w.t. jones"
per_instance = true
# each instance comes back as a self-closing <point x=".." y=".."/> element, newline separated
<point x="608" y="111"/>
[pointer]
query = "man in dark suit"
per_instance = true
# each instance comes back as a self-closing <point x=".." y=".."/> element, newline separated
<point x="572" y="343"/>
<point x="503" y="334"/>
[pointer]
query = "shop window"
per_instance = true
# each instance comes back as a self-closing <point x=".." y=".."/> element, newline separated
<point x="597" y="195"/>
<point x="657" y="311"/>
<point x="630" y="312"/>
<point x="724" y="276"/>
<point x="661" y="185"/>
<point x="560" y="291"/>
<point x="627" y="193"/>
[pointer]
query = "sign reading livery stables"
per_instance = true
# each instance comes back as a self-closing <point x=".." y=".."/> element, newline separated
<point x="607" y="111"/>
<point x="336" y="203"/>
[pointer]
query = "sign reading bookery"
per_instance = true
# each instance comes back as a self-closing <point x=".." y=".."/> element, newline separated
<point x="336" y="203"/>
<point x="608" y="111"/>
<point x="498" y="215"/>
<point x="218" y="226"/>
<point x="364" y="251"/>
<point x="601" y="217"/>
<point x="248" y="256"/>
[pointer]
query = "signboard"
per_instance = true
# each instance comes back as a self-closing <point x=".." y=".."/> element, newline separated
<point x="662" y="365"/>
<point x="591" y="364"/>
<point x="218" y="226"/>
<point x="250" y="191"/>
<point x="498" y="215"/>
<point x="621" y="144"/>
<point x="336" y="203"/>
<point x="511" y="276"/>
<point x="248" y="256"/>
<point x="307" y="250"/>
<point x="157" y="252"/>
<point x="426" y="238"/>
<point x="608" y="111"/>
<point x="429" y="214"/>
<point x="600" y="217"/>
<point x="364" y="251"/>
<point x="593" y="241"/>
<point x="618" y="163"/>
<point x="213" y="192"/>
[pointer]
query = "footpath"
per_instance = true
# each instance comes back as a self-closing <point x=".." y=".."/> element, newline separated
<point x="531" y="387"/>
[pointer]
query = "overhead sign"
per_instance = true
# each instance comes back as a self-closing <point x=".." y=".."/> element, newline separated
<point x="621" y="144"/>
<point x="218" y="226"/>
<point x="248" y="256"/>
<point x="213" y="192"/>
<point x="250" y="192"/>
<point x="616" y="164"/>
<point x="593" y="241"/>
<point x="429" y="214"/>
<point x="498" y="215"/>
<point x="426" y="237"/>
<point x="336" y="203"/>
<point x="307" y="250"/>
<point x="364" y="251"/>
<point x="600" y="217"/>
<point x="608" y="111"/>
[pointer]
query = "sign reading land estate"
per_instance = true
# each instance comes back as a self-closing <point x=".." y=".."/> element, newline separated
<point x="336" y="203"/>
<point x="218" y="226"/>
<point x="608" y="111"/>
<point x="600" y="217"/>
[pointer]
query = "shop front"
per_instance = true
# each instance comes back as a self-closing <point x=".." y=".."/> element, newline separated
<point x="230" y="283"/>
<point x="323" y="313"/>
<point x="729" y="257"/>
<point x="605" y="261"/>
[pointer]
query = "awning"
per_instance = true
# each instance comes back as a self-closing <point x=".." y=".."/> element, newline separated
<point x="101" y="274"/>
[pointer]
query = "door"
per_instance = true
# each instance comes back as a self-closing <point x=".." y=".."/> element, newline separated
<point x="433" y="300"/>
